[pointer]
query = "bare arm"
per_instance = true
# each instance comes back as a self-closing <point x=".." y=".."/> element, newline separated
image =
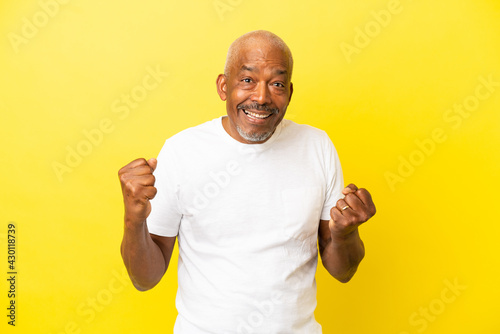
<point x="340" y="245"/>
<point x="146" y="256"/>
<point x="340" y="256"/>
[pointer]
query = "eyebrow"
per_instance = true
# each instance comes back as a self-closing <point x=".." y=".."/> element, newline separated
<point x="253" y="69"/>
<point x="248" y="68"/>
<point x="280" y="72"/>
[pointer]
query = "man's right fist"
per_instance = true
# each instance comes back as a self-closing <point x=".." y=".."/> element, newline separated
<point x="137" y="182"/>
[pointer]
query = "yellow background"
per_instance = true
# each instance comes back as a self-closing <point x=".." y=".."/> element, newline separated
<point x="436" y="225"/>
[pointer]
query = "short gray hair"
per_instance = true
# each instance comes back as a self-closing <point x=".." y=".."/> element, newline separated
<point x="243" y="40"/>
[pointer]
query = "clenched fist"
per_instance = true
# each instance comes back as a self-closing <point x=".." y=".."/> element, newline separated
<point x="137" y="183"/>
<point x="351" y="211"/>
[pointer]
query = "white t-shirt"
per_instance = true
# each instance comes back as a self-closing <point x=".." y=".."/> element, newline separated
<point x="246" y="217"/>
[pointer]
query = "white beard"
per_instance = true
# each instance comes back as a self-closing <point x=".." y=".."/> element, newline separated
<point x="253" y="137"/>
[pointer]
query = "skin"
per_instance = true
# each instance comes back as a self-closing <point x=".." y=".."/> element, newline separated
<point x="340" y="245"/>
<point x="259" y="79"/>
<point x="146" y="256"/>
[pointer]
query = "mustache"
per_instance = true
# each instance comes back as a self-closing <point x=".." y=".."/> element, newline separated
<point x="260" y="107"/>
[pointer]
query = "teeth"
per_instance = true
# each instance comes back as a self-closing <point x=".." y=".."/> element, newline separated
<point x="256" y="115"/>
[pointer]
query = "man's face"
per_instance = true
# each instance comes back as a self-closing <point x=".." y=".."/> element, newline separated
<point x="257" y="92"/>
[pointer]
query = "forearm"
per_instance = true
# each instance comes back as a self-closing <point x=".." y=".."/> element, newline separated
<point x="142" y="256"/>
<point x="341" y="256"/>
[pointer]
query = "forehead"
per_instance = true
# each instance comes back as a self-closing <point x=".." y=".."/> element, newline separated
<point x="261" y="54"/>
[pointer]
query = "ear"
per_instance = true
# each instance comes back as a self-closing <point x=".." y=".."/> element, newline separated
<point x="221" y="83"/>
<point x="291" y="92"/>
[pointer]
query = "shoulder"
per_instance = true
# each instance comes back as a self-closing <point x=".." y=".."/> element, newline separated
<point x="203" y="129"/>
<point x="204" y="133"/>
<point x="307" y="140"/>
<point x="187" y="148"/>
<point x="191" y="141"/>
<point x="302" y="132"/>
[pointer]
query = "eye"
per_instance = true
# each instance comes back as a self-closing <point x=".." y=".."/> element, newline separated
<point x="247" y="80"/>
<point x="279" y="84"/>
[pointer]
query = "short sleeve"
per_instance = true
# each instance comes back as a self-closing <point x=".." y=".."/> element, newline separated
<point x="165" y="216"/>
<point x="334" y="179"/>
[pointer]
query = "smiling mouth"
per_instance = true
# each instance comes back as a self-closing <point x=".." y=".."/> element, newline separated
<point x="255" y="115"/>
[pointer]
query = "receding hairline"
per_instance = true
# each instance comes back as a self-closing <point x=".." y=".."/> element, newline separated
<point x="253" y="36"/>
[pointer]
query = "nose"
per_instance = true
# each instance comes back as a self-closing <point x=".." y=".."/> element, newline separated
<point x="261" y="94"/>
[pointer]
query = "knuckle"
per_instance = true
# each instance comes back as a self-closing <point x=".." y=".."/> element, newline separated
<point x="347" y="223"/>
<point x="364" y="217"/>
<point x="332" y="212"/>
<point x="352" y="220"/>
<point x="137" y="169"/>
<point x="125" y="180"/>
<point x="132" y="188"/>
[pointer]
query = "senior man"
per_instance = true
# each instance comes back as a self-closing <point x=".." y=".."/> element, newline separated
<point x="249" y="196"/>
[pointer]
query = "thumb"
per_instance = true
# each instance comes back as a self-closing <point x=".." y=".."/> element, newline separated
<point x="152" y="163"/>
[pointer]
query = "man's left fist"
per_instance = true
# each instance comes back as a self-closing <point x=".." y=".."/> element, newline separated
<point x="351" y="211"/>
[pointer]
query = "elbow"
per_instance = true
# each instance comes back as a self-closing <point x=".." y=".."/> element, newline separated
<point x="344" y="279"/>
<point x="143" y="283"/>
<point x="143" y="287"/>
<point x="345" y="276"/>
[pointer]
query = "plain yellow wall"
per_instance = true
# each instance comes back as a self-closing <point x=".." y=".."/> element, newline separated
<point x="409" y="92"/>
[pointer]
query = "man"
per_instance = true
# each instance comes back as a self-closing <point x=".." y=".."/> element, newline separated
<point x="249" y="197"/>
